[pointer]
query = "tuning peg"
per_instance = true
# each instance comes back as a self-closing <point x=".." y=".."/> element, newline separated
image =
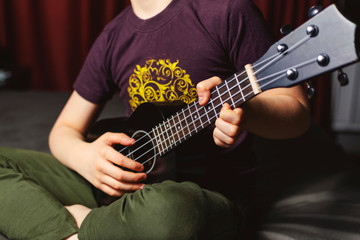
<point x="342" y="78"/>
<point x="286" y="29"/>
<point x="314" y="10"/>
<point x="310" y="90"/>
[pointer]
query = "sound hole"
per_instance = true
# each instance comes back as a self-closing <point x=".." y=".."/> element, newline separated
<point x="143" y="151"/>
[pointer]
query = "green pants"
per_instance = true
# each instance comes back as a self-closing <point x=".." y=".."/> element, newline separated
<point x="34" y="187"/>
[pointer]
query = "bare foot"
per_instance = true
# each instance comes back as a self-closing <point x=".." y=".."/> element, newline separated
<point x="79" y="212"/>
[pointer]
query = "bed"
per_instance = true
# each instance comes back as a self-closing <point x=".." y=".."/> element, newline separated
<point x="308" y="187"/>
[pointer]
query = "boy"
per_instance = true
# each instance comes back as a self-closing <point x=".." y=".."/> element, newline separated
<point x="159" y="50"/>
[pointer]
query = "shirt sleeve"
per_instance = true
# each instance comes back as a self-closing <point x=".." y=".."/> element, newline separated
<point x="94" y="82"/>
<point x="248" y="36"/>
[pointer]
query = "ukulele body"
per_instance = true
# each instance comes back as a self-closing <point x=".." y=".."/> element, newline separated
<point x="139" y="126"/>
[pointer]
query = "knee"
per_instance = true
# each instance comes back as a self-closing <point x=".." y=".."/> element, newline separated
<point x="177" y="209"/>
<point x="167" y="210"/>
<point x="186" y="211"/>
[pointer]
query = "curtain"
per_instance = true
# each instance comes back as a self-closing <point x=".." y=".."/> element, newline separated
<point x="282" y="12"/>
<point x="50" y="39"/>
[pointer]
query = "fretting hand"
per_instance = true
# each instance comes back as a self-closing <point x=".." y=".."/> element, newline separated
<point x="228" y="125"/>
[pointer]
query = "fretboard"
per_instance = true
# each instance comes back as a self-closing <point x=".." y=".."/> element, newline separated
<point x="193" y="118"/>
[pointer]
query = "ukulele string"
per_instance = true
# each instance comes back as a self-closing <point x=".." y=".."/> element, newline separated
<point x="268" y="62"/>
<point x="284" y="71"/>
<point x="187" y="125"/>
<point x="211" y="118"/>
<point x="280" y="73"/>
<point x="213" y="91"/>
<point x="195" y="129"/>
<point x="296" y="45"/>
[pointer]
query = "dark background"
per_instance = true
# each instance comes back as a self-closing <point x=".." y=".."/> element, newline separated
<point x="43" y="43"/>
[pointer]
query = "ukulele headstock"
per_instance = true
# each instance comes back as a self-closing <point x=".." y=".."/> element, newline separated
<point x="326" y="42"/>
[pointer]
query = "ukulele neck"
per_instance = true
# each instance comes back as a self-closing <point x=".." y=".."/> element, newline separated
<point x="193" y="118"/>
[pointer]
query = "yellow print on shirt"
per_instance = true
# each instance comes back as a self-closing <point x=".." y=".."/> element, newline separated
<point x="160" y="81"/>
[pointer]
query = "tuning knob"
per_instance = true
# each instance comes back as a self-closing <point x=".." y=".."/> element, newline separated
<point x="286" y="29"/>
<point x="310" y="90"/>
<point x="314" y="10"/>
<point x="342" y="78"/>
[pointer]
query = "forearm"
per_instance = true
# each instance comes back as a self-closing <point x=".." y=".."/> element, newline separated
<point x="67" y="137"/>
<point x="98" y="162"/>
<point x="276" y="117"/>
<point x="67" y="145"/>
<point x="276" y="113"/>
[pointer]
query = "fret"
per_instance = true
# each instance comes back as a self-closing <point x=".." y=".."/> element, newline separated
<point x="203" y="115"/>
<point x="245" y="88"/>
<point x="161" y="149"/>
<point x="219" y="95"/>
<point x="179" y="126"/>
<point x="156" y="140"/>
<point x="192" y="119"/>
<point x="235" y="91"/>
<point x="186" y="123"/>
<point x="199" y="116"/>
<point x="216" y="102"/>
<point x="162" y="137"/>
<point x="165" y="134"/>
<point x="229" y="91"/>
<point x="209" y="111"/>
<point x="176" y="135"/>
<point x="169" y="139"/>
<point x="177" y="131"/>
<point x="241" y="91"/>
<point x="169" y="126"/>
<point x="214" y="109"/>
<point x="156" y="134"/>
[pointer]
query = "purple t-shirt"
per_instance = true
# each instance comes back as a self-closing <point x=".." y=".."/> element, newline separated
<point x="163" y="58"/>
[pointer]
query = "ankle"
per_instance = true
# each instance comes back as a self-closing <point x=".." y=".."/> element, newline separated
<point x="79" y="213"/>
<point x="72" y="237"/>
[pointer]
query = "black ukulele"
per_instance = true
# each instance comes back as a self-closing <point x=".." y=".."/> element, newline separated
<point x="326" y="42"/>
